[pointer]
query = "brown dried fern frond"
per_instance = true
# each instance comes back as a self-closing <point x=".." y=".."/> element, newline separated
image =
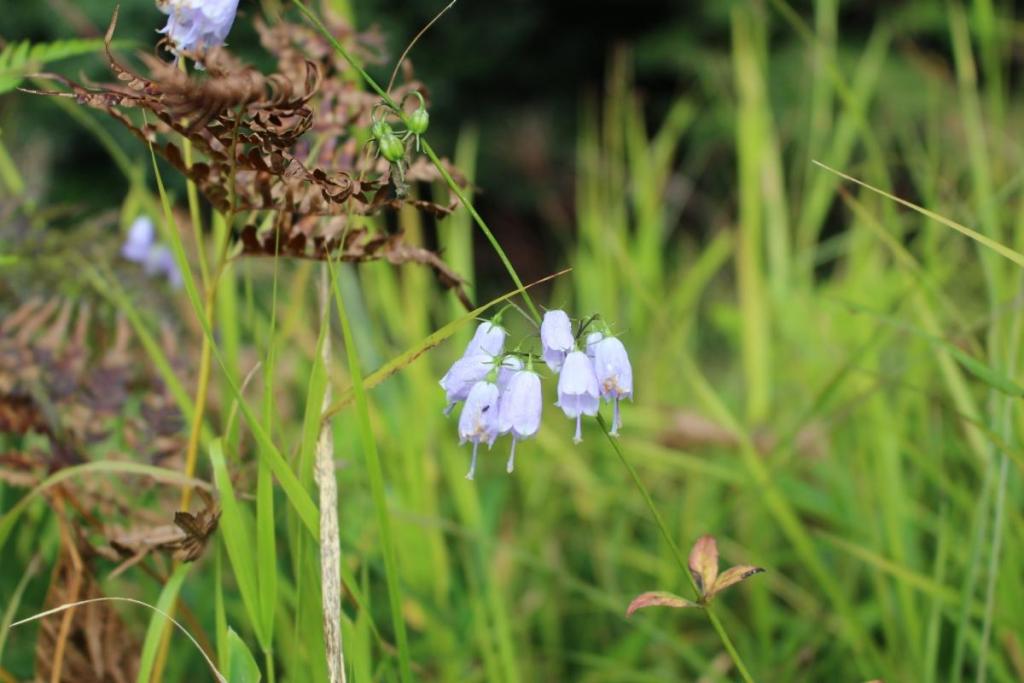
<point x="250" y="132"/>
<point x="68" y="377"/>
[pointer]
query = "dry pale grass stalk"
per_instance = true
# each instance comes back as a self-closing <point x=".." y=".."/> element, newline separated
<point x="330" y="546"/>
<point x="79" y="603"/>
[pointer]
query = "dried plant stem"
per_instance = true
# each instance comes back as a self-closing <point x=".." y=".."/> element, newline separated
<point x="330" y="544"/>
<point x="192" y="447"/>
<point x="408" y="48"/>
<point x="78" y="603"/>
<point x="202" y="388"/>
<point x="76" y="586"/>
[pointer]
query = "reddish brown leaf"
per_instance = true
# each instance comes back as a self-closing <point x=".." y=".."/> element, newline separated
<point x="704" y="563"/>
<point x="657" y="599"/>
<point x="731" y="576"/>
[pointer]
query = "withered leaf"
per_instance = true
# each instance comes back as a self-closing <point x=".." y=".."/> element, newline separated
<point x="247" y="129"/>
<point x="704" y="562"/>
<point x="198" y="528"/>
<point x="732" y="576"/>
<point x="355" y="245"/>
<point x="97" y="646"/>
<point x="657" y="599"/>
<point x="68" y="374"/>
<point x="186" y="537"/>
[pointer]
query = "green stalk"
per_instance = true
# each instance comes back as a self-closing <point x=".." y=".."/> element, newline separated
<point x="9" y="172"/>
<point x="677" y="554"/>
<point x="428" y="150"/>
<point x="453" y="186"/>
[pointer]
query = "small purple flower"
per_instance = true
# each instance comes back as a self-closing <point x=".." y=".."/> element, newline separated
<point x="556" y="338"/>
<point x="489" y="338"/>
<point x="141" y="236"/>
<point x="160" y="261"/>
<point x="578" y="392"/>
<point x="478" y="422"/>
<point x="614" y="375"/>
<point x="197" y="25"/>
<point x="463" y="375"/>
<point x="520" y="409"/>
<point x="508" y="368"/>
<point x="592" y="339"/>
<point x="156" y="259"/>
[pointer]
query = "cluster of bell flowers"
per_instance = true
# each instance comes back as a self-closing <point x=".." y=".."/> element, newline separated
<point x="503" y="395"/>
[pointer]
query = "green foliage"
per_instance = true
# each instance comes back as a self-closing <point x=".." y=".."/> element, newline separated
<point x="242" y="666"/>
<point x="829" y="378"/>
<point x="19" y="59"/>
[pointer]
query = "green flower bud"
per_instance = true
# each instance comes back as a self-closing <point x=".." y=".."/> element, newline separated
<point x="379" y="129"/>
<point x="418" y="122"/>
<point x="391" y="147"/>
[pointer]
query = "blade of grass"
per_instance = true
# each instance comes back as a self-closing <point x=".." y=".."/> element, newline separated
<point x="61" y="608"/>
<point x="755" y="338"/>
<point x="1001" y="249"/>
<point x="15" y="601"/>
<point x="154" y="633"/>
<point x="173" y="477"/>
<point x="297" y="496"/>
<point x="237" y="541"/>
<point x="266" y="542"/>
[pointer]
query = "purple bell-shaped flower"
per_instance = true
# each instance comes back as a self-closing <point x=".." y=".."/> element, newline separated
<point x="489" y="338"/>
<point x="614" y="375"/>
<point x="463" y="375"/>
<point x="141" y="237"/>
<point x="556" y="338"/>
<point x="578" y="392"/>
<point x="141" y="247"/>
<point x="478" y="422"/>
<point x="520" y="409"/>
<point x="508" y="368"/>
<point x="197" y="25"/>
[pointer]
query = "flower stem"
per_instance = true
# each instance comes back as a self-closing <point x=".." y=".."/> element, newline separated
<point x="9" y="172"/>
<point x="677" y="554"/>
<point x="453" y="186"/>
<point x="202" y="388"/>
<point x="429" y="151"/>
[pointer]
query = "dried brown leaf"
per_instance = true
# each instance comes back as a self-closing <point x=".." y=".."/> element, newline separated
<point x="704" y="562"/>
<point x="732" y="576"/>
<point x="89" y="643"/>
<point x="186" y="538"/>
<point x="246" y="130"/>
<point x="657" y="599"/>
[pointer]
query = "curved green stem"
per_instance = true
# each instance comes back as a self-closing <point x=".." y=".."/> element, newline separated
<point x="390" y="102"/>
<point x="481" y="223"/>
<point x="677" y="554"/>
